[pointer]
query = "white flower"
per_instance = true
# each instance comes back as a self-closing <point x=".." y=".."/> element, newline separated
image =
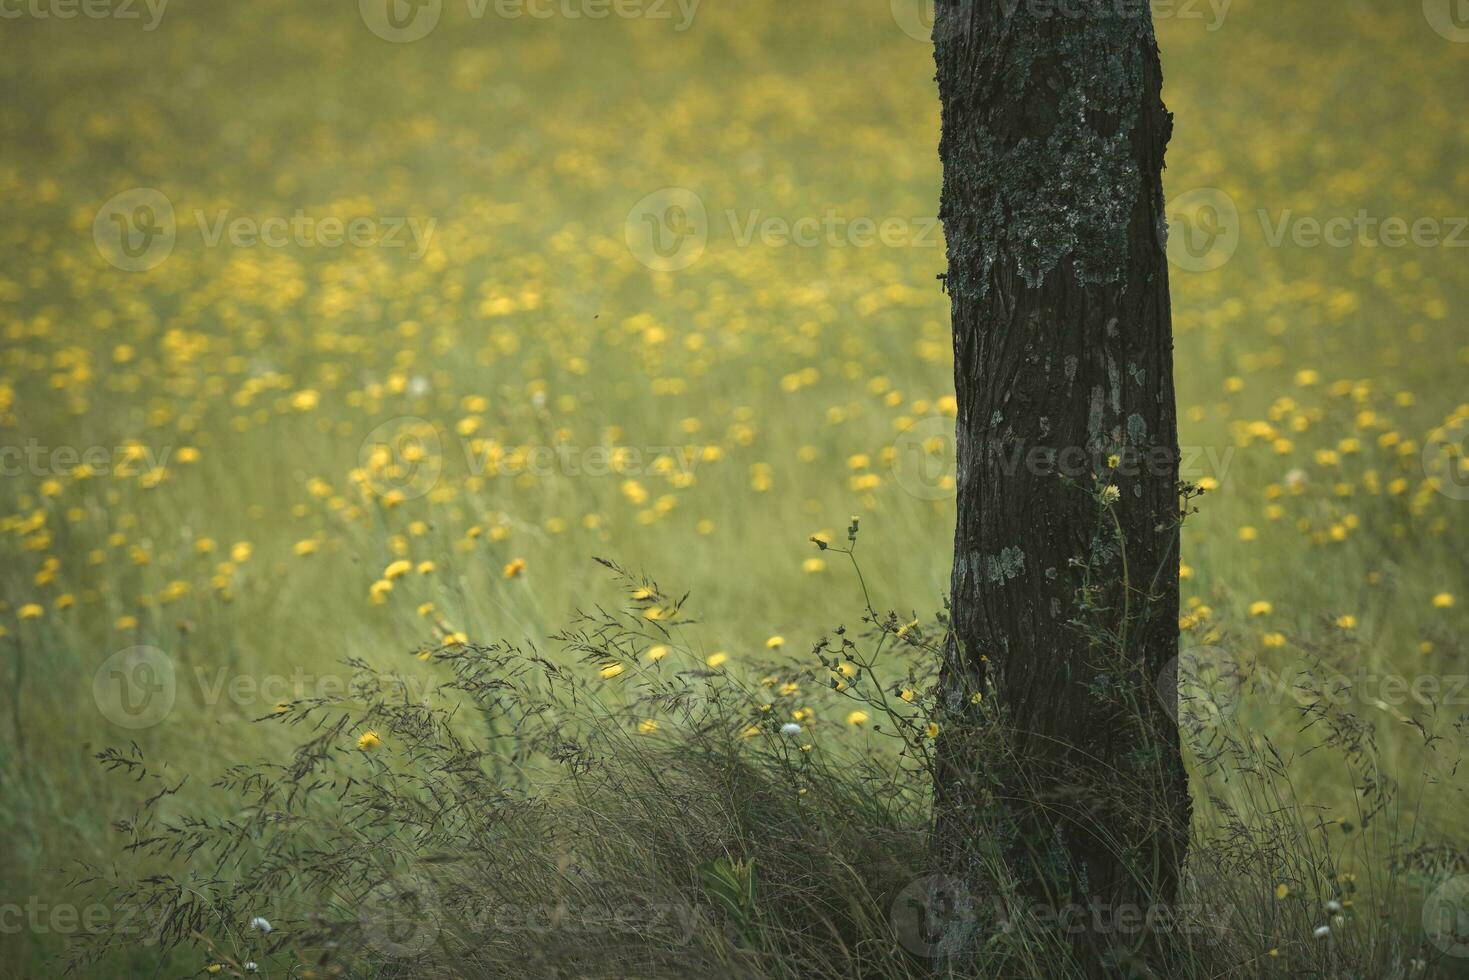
<point x="1333" y="906"/>
<point x="790" y="728"/>
<point x="1322" y="932"/>
<point x="1338" y="921"/>
<point x="251" y="966"/>
<point x="261" y="924"/>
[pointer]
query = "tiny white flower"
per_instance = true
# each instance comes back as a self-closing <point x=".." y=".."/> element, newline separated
<point x="1338" y="921"/>
<point x="1333" y="906"/>
<point x="790" y="728"/>
<point x="261" y="924"/>
<point x="251" y="966"/>
<point x="1322" y="932"/>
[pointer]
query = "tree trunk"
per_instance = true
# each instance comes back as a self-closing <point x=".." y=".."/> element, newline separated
<point x="1059" y="775"/>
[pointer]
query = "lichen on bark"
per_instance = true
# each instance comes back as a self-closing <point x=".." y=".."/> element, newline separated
<point x="1064" y="189"/>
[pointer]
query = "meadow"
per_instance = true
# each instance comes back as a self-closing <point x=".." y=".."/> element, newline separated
<point x="325" y="346"/>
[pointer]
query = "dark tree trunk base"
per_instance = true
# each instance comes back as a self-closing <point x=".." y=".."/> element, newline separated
<point x="1060" y="778"/>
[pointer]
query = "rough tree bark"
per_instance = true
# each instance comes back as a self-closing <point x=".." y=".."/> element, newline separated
<point x="1064" y="592"/>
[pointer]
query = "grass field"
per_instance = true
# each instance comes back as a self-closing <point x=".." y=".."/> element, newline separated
<point x="660" y="289"/>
